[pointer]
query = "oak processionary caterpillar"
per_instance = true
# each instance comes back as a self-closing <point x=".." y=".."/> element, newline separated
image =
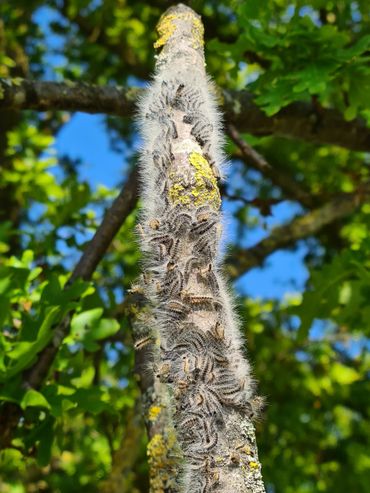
<point x="201" y="356"/>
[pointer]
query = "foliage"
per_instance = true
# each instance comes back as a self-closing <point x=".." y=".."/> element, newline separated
<point x="308" y="349"/>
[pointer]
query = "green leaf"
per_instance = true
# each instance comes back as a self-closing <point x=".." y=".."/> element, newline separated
<point x="46" y="437"/>
<point x="25" y="352"/>
<point x="253" y="9"/>
<point x="82" y="322"/>
<point x="66" y="297"/>
<point x="33" y="398"/>
<point x="5" y="310"/>
<point x="343" y="374"/>
<point x="91" y="400"/>
<point x="12" y="390"/>
<point x="106" y="328"/>
<point x="58" y="397"/>
<point x="88" y="327"/>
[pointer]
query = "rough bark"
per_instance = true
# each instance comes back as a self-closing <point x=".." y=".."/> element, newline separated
<point x="198" y="355"/>
<point x="298" y="120"/>
<point x="23" y="94"/>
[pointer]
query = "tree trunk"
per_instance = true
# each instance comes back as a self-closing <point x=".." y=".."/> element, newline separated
<point x="198" y="355"/>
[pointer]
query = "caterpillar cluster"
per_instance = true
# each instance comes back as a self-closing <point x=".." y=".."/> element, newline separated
<point x="200" y="347"/>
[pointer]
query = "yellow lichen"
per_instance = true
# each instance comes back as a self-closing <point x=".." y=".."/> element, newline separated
<point x="197" y="32"/>
<point x="253" y="465"/>
<point x="154" y="412"/>
<point x="205" y="189"/>
<point x="160" y="464"/>
<point x="156" y="447"/>
<point x="177" y="196"/>
<point x="156" y="452"/>
<point x="167" y="26"/>
<point x="200" y="163"/>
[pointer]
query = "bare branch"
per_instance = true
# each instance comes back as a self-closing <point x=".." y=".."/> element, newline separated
<point x="288" y="185"/>
<point x="241" y="261"/>
<point x="66" y="96"/>
<point x="113" y="220"/>
<point x="298" y="120"/>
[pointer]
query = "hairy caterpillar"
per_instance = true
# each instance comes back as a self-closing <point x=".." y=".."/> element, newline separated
<point x="201" y="356"/>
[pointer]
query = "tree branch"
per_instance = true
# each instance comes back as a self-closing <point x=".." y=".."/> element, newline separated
<point x="186" y="294"/>
<point x="298" y="120"/>
<point x="94" y="252"/>
<point x="27" y="94"/>
<point x="66" y="96"/>
<point x="289" y="186"/>
<point x="241" y="261"/>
